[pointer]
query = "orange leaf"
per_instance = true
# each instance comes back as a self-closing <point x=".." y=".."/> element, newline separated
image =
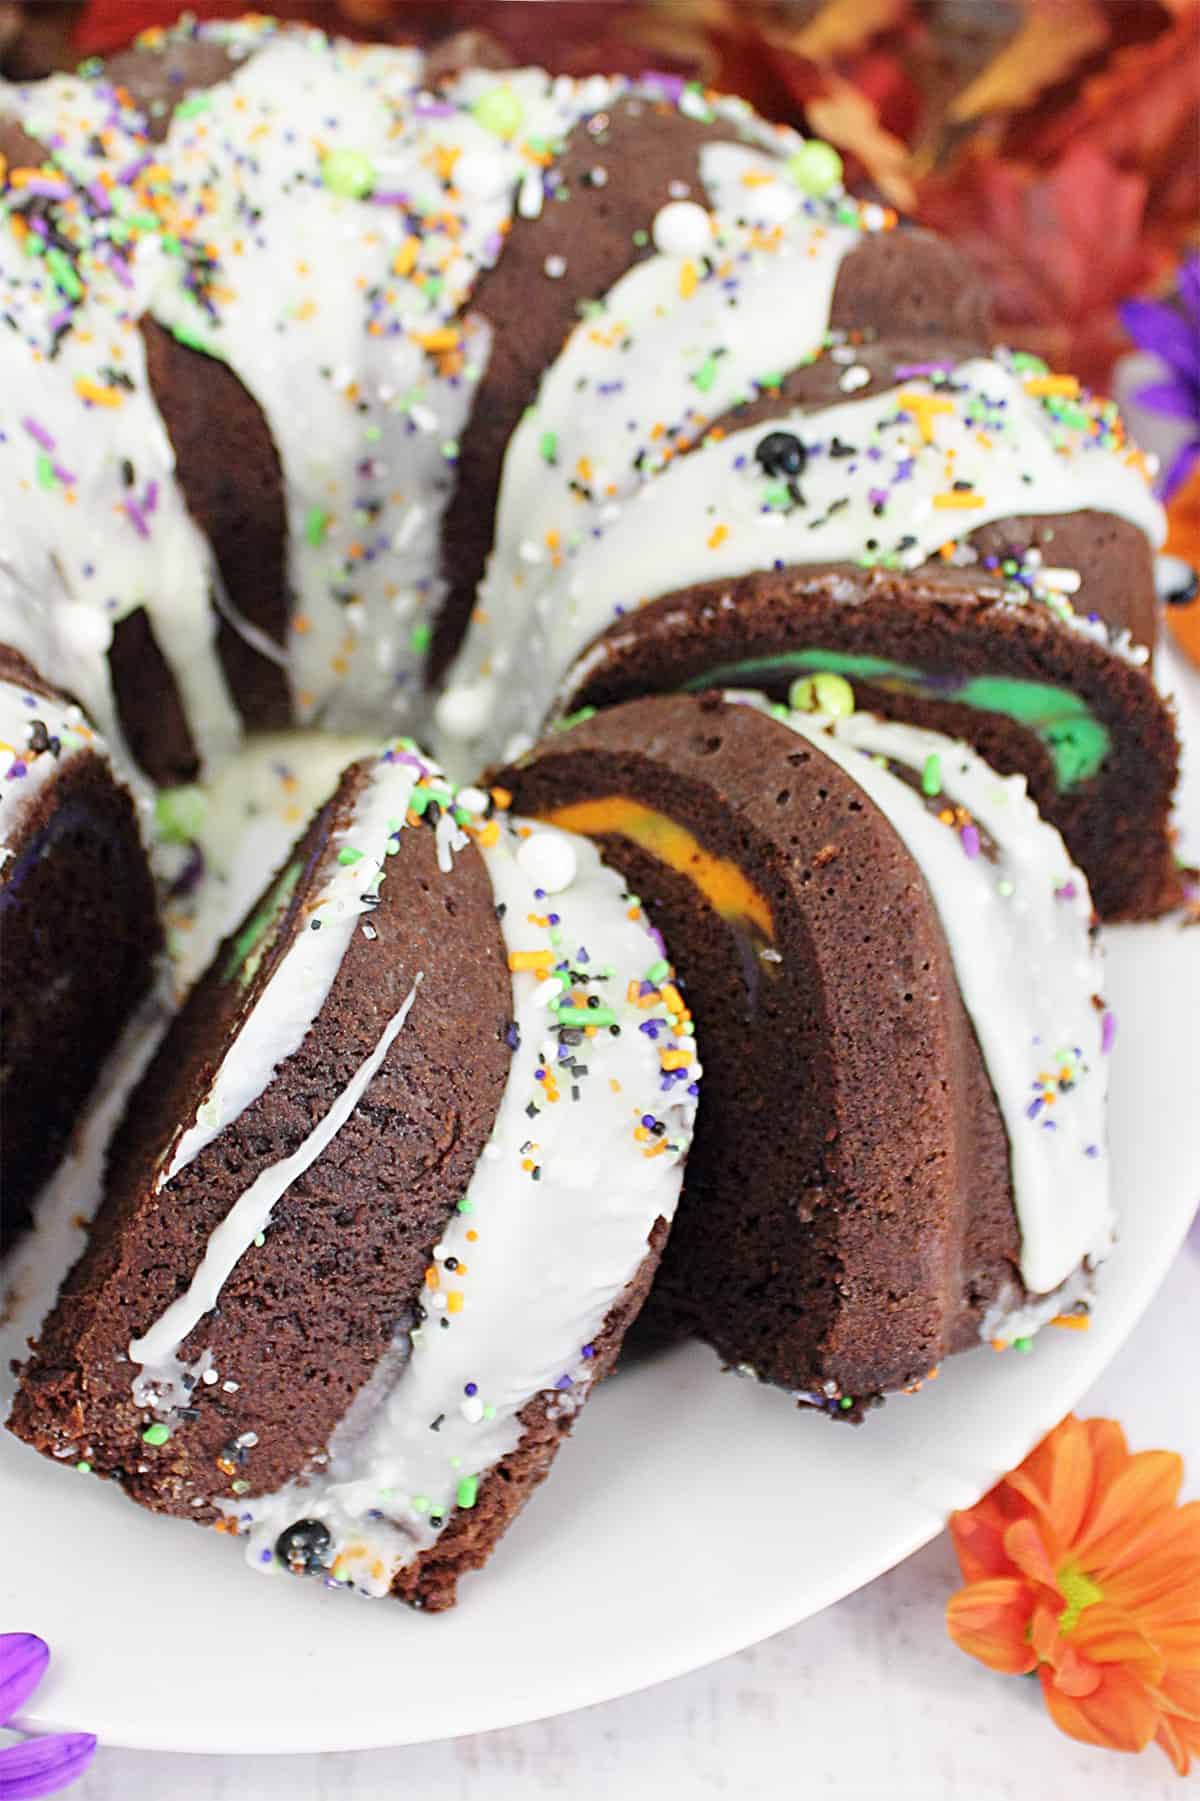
<point x="847" y="118"/>
<point x="1053" y="40"/>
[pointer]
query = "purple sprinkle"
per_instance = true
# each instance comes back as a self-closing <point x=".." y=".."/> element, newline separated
<point x="471" y="1388"/>
<point x="39" y="434"/>
<point x="1068" y="891"/>
<point x="266" y="1557"/>
<point x="16" y="770"/>
<point x="669" y="86"/>
<point x="1108" y="1031"/>
<point x="134" y="514"/>
<point x="134" y="170"/>
<point x="878" y="497"/>
<point x="1033" y="1109"/>
<point x="589" y="1350"/>
<point x="564" y="1382"/>
<point x="151" y="498"/>
<point x="64" y="476"/>
<point x="648" y="1120"/>
<point x="969" y="837"/>
<point x="903" y="371"/>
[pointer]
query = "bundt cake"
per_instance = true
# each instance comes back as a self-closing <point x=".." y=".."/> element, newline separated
<point x="78" y="926"/>
<point x="386" y="1200"/>
<point x="890" y="961"/>
<point x="336" y="371"/>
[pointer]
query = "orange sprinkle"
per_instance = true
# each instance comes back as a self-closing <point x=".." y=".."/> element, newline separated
<point x="97" y="394"/>
<point x="502" y="798"/>
<point x="1067" y="385"/>
<point x="925" y="408"/>
<point x="454" y="1301"/>
<point x="302" y="623"/>
<point x="688" y="279"/>
<point x="955" y="501"/>
<point x="674" y="1059"/>
<point x="717" y="536"/>
<point x="444" y="338"/>
<point x="431" y="1276"/>
<point x="534" y="960"/>
<point x="1073" y="1322"/>
<point x="405" y="258"/>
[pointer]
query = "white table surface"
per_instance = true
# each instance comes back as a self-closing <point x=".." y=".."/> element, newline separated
<point x="869" y="1700"/>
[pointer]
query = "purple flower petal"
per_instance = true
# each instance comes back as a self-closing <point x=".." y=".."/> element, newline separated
<point x="42" y="1765"/>
<point x="23" y="1660"/>
<point x="1188" y="284"/>
<point x="1170" y="398"/>
<point x="1178" y="470"/>
<point x="1165" y="331"/>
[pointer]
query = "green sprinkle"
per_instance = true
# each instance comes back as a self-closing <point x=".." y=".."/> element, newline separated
<point x="846" y="1402"/>
<point x="706" y="374"/>
<point x="84" y="1467"/>
<point x="641" y="238"/>
<point x="421" y="636"/>
<point x="1026" y="363"/>
<point x="585" y="1016"/>
<point x="1022" y="1344"/>
<point x="260" y="1239"/>
<point x="419" y="800"/>
<point x="549" y="446"/>
<point x="373" y="434"/>
<point x="421" y="1503"/>
<point x="499" y="111"/>
<point x="467" y="1490"/>
<point x="191" y="340"/>
<point x="349" y="855"/>
<point x="931" y="775"/>
<point x="179" y="814"/>
<point x="193" y="105"/>
<point x="63" y="271"/>
<point x="489" y="1413"/>
<point x="45" y="472"/>
<point x="316" y="525"/>
<point x="156" y="1435"/>
<point x="822" y="693"/>
<point x="816" y="168"/>
<point x="658" y="972"/>
<point x="1004" y="887"/>
<point x="350" y="173"/>
<point x="570" y="719"/>
<point x="773" y="380"/>
<point x="240" y="1486"/>
<point x="777" y="496"/>
<point x="466" y="1206"/>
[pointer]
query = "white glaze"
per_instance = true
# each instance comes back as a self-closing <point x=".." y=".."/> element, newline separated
<point x="284" y="1012"/>
<point x="1028" y="971"/>
<point x="541" y="1263"/>
<point x="564" y="569"/>
<point x="24" y="772"/>
<point x="251" y="1214"/>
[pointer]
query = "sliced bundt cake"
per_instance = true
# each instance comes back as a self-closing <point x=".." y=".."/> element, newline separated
<point x="888" y="955"/>
<point x="387" y="1199"/>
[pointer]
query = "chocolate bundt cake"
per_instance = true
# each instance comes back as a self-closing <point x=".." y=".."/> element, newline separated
<point x="387" y="1199"/>
<point x="889" y="958"/>
<point x="78" y="925"/>
<point x="336" y="371"/>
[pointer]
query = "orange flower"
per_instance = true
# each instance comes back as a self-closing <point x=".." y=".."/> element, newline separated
<point x="1081" y="1565"/>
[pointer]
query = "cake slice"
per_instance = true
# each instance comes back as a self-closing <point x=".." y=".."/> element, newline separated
<point x="888" y="954"/>
<point x="78" y="925"/>
<point x="386" y="1200"/>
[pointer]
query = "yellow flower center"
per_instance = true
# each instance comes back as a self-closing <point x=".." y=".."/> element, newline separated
<point x="1079" y="1591"/>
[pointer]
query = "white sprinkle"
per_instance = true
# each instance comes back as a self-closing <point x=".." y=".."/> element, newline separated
<point x="531" y="195"/>
<point x="473" y="799"/>
<point x="209" y="1378"/>
<point x="230" y="1388"/>
<point x="471" y="1409"/>
<point x="681" y="228"/>
<point x="855" y="378"/>
<point x="555" y="267"/>
<point x="548" y="859"/>
<point x="370" y="934"/>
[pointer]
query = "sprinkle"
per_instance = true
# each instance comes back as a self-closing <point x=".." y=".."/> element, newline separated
<point x="585" y="1016"/>
<point x="349" y="173"/>
<point x="816" y="168"/>
<point x="1108" y="1031"/>
<point x="549" y="446"/>
<point x="467" y="1491"/>
<point x="96" y="394"/>
<point x="717" y="536"/>
<point x="1022" y="1344"/>
<point x="499" y="111"/>
<point x="1043" y="386"/>
<point x="955" y="500"/>
<point x="925" y="408"/>
<point x="931" y="775"/>
<point x="84" y="1467"/>
<point x="822" y="693"/>
<point x="63" y="272"/>
<point x="349" y="855"/>
<point x="316" y="524"/>
<point x="1073" y="1322"/>
<point x="969" y="839"/>
<point x="156" y="1435"/>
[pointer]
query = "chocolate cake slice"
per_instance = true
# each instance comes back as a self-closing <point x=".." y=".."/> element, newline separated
<point x="79" y="927"/>
<point x="900" y="1152"/>
<point x="387" y="1199"/>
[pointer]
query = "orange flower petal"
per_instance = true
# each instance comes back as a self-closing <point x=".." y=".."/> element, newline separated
<point x="1148" y="1484"/>
<point x="989" y="1620"/>
<point x="1117" y="1713"/>
<point x="978" y="1536"/>
<point x="1027" y="1549"/>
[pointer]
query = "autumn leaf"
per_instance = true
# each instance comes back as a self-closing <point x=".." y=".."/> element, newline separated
<point x="846" y="117"/>
<point x="842" y="27"/>
<point x="1054" y="39"/>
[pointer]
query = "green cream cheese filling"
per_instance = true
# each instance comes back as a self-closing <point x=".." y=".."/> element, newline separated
<point x="1076" y="740"/>
<point x="254" y="940"/>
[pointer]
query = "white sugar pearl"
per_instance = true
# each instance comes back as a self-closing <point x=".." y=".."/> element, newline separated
<point x="681" y="228"/>
<point x="483" y="174"/>
<point x="462" y="712"/>
<point x="471" y="1410"/>
<point x="549" y="860"/>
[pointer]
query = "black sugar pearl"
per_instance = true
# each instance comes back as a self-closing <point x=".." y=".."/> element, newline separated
<point x="302" y="1546"/>
<point x="781" y="453"/>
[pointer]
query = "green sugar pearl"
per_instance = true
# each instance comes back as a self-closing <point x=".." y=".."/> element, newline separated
<point x="350" y="173"/>
<point x="156" y="1435"/>
<point x="499" y="111"/>
<point x="467" y="1490"/>
<point x="816" y="168"/>
<point x="824" y="693"/>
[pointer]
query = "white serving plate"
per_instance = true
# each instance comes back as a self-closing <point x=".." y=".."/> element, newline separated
<point x="692" y="1514"/>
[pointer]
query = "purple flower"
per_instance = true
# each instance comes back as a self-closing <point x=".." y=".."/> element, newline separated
<point x="1171" y="331"/>
<point x="37" y="1766"/>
